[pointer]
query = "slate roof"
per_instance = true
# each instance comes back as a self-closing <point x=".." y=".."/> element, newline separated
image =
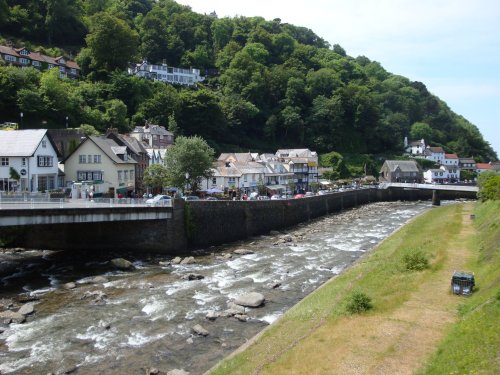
<point x="22" y="142"/>
<point x="436" y="150"/>
<point x="106" y="145"/>
<point x="404" y="165"/>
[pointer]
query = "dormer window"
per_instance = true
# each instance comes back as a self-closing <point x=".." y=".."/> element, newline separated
<point x="24" y="52"/>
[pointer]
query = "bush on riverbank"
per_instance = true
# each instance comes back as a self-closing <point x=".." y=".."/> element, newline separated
<point x="473" y="345"/>
<point x="415" y="261"/>
<point x="358" y="302"/>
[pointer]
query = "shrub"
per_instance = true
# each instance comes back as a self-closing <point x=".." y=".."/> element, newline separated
<point x="359" y="302"/>
<point x="415" y="261"/>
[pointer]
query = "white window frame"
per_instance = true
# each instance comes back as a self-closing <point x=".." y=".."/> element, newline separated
<point x="82" y="159"/>
<point x="45" y="161"/>
<point x="4" y="161"/>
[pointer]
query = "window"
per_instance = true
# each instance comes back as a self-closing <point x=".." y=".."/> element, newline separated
<point x="73" y="71"/>
<point x="44" y="144"/>
<point x="97" y="176"/>
<point x="51" y="66"/>
<point x="120" y="177"/>
<point x="23" y="162"/>
<point x="82" y="159"/>
<point x="36" y="63"/>
<point x="45" y="161"/>
<point x="232" y="180"/>
<point x="24" y="61"/>
<point x="97" y="159"/>
<point x="125" y="175"/>
<point x="4" y="162"/>
<point x="24" y="52"/>
<point x="245" y="177"/>
<point x="131" y="174"/>
<point x="89" y="159"/>
<point x="10" y="58"/>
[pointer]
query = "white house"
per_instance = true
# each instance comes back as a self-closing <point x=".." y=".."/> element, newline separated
<point x="32" y="155"/>
<point x="416" y="148"/>
<point x="451" y="159"/>
<point x="445" y="173"/>
<point x="483" y="167"/>
<point x="103" y="165"/>
<point x="165" y="73"/>
<point x="436" y="154"/>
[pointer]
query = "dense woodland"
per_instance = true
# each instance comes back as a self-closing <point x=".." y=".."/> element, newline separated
<point x="269" y="84"/>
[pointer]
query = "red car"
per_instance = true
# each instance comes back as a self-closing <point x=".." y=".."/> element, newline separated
<point x="297" y="196"/>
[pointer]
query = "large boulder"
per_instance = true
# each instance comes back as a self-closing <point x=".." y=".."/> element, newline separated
<point x="188" y="260"/>
<point x="199" y="330"/>
<point x="27" y="309"/>
<point x="11" y="317"/>
<point x="122" y="264"/>
<point x="193" y="276"/>
<point x="252" y="299"/>
<point x="176" y="260"/>
<point x="242" y="251"/>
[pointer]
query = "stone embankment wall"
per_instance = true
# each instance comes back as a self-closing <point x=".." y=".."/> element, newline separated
<point x="198" y="224"/>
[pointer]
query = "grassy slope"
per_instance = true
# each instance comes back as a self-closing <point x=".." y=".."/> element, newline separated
<point x="308" y="330"/>
<point x="473" y="345"/>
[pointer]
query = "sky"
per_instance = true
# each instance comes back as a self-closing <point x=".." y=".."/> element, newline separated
<point x="452" y="46"/>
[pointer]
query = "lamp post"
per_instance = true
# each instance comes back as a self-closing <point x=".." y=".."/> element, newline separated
<point x="22" y="114"/>
<point x="66" y="122"/>
<point x="187" y="181"/>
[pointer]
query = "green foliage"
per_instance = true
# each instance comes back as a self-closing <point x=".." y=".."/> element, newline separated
<point x="358" y="302"/>
<point x="188" y="162"/>
<point x="415" y="260"/>
<point x="489" y="186"/>
<point x="156" y="176"/>
<point x="421" y="130"/>
<point x="89" y="129"/>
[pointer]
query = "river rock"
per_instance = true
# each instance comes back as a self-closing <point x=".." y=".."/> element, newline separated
<point x="188" y="260"/>
<point x="190" y="340"/>
<point x="287" y="238"/>
<point x="274" y="233"/>
<point x="70" y="285"/>
<point x="241" y="317"/>
<point x="98" y="297"/>
<point x="193" y="276"/>
<point x="199" y="330"/>
<point x="6" y="303"/>
<point x="122" y="264"/>
<point x="177" y="260"/>
<point x="275" y="285"/>
<point x="153" y="371"/>
<point x="242" y="251"/>
<point x="233" y="306"/>
<point x="98" y="280"/>
<point x="27" y="309"/>
<point x="12" y="317"/>
<point x="252" y="299"/>
<point x="165" y="264"/>
<point x="177" y="372"/>
<point x="27" y="297"/>
<point x="212" y="315"/>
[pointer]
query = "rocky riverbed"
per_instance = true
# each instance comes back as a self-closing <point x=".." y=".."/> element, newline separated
<point x="120" y="314"/>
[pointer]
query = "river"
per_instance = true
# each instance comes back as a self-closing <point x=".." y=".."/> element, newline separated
<point x="126" y="322"/>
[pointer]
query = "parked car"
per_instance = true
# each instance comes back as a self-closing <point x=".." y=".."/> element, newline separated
<point x="211" y="199"/>
<point x="276" y="197"/>
<point x="263" y="198"/>
<point x="191" y="198"/>
<point x="159" y="200"/>
<point x="298" y="196"/>
<point x="309" y="194"/>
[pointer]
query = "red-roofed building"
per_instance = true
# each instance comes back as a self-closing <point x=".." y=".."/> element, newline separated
<point x="23" y="58"/>
<point x="451" y="160"/>
<point x="482" y="167"/>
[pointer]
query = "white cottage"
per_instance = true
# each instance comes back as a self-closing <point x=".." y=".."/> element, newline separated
<point x="29" y="155"/>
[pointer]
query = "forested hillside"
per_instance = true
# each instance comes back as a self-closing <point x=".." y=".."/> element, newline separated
<point x="269" y="84"/>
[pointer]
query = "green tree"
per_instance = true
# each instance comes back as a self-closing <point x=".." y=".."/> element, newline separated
<point x="421" y="130"/>
<point x="89" y="129"/>
<point x="489" y="186"/>
<point x="172" y="125"/>
<point x="155" y="176"/>
<point x="188" y="162"/>
<point x="111" y="41"/>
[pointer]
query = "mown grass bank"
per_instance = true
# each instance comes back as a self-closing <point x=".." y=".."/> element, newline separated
<point x="472" y="346"/>
<point x="411" y="308"/>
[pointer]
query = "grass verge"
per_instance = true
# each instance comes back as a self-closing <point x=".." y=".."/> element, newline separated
<point x="301" y="341"/>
